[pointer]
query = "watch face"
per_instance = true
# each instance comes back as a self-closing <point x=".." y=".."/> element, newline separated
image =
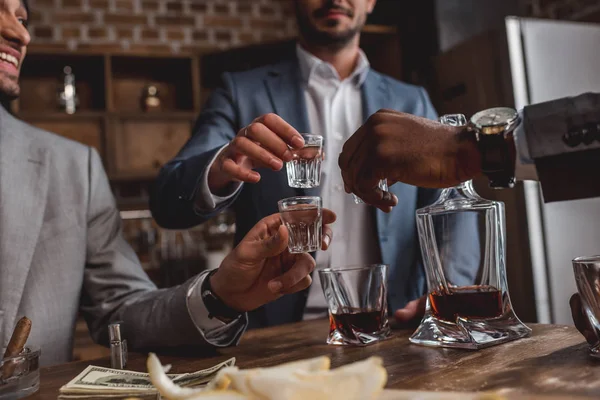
<point x="494" y="117"/>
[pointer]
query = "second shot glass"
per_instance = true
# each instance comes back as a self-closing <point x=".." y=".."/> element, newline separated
<point x="303" y="218"/>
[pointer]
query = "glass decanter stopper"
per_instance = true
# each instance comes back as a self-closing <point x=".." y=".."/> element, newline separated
<point x="462" y="239"/>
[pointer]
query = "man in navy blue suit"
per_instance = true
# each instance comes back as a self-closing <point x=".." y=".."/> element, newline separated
<point x="240" y="144"/>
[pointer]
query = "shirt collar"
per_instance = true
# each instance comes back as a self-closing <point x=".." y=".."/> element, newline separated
<point x="311" y="65"/>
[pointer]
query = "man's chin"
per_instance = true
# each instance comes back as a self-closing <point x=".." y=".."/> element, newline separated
<point x="8" y="96"/>
<point x="334" y="27"/>
<point x="319" y="33"/>
<point x="338" y="39"/>
<point x="9" y="89"/>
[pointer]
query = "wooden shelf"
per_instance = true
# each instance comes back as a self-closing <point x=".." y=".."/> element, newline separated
<point x="57" y="115"/>
<point x="380" y="29"/>
<point x="86" y="115"/>
<point x="86" y="52"/>
<point x="140" y="146"/>
<point x="110" y="117"/>
<point x="159" y="115"/>
<point x="172" y="77"/>
<point x="42" y="74"/>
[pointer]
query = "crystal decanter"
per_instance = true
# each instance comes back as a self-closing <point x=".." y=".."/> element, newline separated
<point x="462" y="239"/>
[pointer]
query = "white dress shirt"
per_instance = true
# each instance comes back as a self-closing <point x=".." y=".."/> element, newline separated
<point x="213" y="330"/>
<point x="335" y="111"/>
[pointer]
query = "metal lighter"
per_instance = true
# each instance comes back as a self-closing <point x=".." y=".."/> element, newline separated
<point x="118" y="346"/>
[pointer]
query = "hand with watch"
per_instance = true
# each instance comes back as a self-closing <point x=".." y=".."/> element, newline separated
<point x="404" y="148"/>
<point x="259" y="270"/>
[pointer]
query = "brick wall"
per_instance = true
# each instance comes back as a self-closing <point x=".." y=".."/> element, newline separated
<point x="581" y="10"/>
<point x="162" y="25"/>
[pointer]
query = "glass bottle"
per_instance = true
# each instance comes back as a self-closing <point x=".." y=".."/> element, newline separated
<point x="67" y="97"/>
<point x="462" y="239"/>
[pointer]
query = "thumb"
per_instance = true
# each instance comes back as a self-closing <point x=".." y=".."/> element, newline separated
<point x="414" y="310"/>
<point x="581" y="321"/>
<point x="261" y="248"/>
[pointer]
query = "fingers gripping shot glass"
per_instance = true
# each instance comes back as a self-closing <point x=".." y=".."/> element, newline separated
<point x="304" y="171"/>
<point x="303" y="218"/>
<point x="356" y="298"/>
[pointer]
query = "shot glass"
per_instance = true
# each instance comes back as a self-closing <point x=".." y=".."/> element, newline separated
<point x="356" y="298"/>
<point x="304" y="171"/>
<point x="382" y="185"/>
<point x="303" y="218"/>
<point x="20" y="375"/>
<point x="587" y="277"/>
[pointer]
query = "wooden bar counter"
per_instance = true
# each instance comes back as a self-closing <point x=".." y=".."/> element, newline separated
<point x="554" y="361"/>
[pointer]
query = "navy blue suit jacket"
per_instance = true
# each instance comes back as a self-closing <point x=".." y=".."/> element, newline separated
<point x="278" y="89"/>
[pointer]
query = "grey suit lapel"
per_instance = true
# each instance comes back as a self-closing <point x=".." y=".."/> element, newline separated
<point x="284" y="86"/>
<point x="23" y="186"/>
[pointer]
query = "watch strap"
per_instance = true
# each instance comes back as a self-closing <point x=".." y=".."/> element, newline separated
<point x="215" y="306"/>
<point x="498" y="159"/>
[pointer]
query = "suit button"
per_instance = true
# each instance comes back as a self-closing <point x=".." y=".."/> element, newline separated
<point x="594" y="129"/>
<point x="572" y="138"/>
<point x="587" y="135"/>
<point x="184" y="197"/>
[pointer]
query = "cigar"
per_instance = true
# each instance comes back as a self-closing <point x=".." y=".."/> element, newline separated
<point x="16" y="345"/>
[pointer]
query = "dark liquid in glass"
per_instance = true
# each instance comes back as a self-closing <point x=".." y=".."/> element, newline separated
<point x="467" y="302"/>
<point x="364" y="321"/>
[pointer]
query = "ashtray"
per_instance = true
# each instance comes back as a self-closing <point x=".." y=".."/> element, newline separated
<point x="20" y="375"/>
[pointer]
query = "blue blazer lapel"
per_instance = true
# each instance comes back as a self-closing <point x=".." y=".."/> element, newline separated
<point x="284" y="86"/>
<point x="376" y="95"/>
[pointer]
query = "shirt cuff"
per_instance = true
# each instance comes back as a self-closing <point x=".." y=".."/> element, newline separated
<point x="205" y="199"/>
<point x="524" y="166"/>
<point x="213" y="330"/>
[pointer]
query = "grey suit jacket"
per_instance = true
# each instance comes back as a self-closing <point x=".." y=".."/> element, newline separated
<point x="61" y="251"/>
<point x="563" y="137"/>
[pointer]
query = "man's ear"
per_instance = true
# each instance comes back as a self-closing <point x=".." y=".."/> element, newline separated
<point x="371" y="5"/>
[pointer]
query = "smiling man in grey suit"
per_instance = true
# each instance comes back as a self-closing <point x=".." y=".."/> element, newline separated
<point x="62" y="251"/>
<point x="240" y="143"/>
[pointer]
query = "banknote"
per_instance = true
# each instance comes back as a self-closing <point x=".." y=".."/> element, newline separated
<point x="105" y="382"/>
<point x="114" y="395"/>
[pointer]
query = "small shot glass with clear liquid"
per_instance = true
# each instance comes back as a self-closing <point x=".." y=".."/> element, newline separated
<point x="303" y="218"/>
<point x="382" y="185"/>
<point x="304" y="170"/>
